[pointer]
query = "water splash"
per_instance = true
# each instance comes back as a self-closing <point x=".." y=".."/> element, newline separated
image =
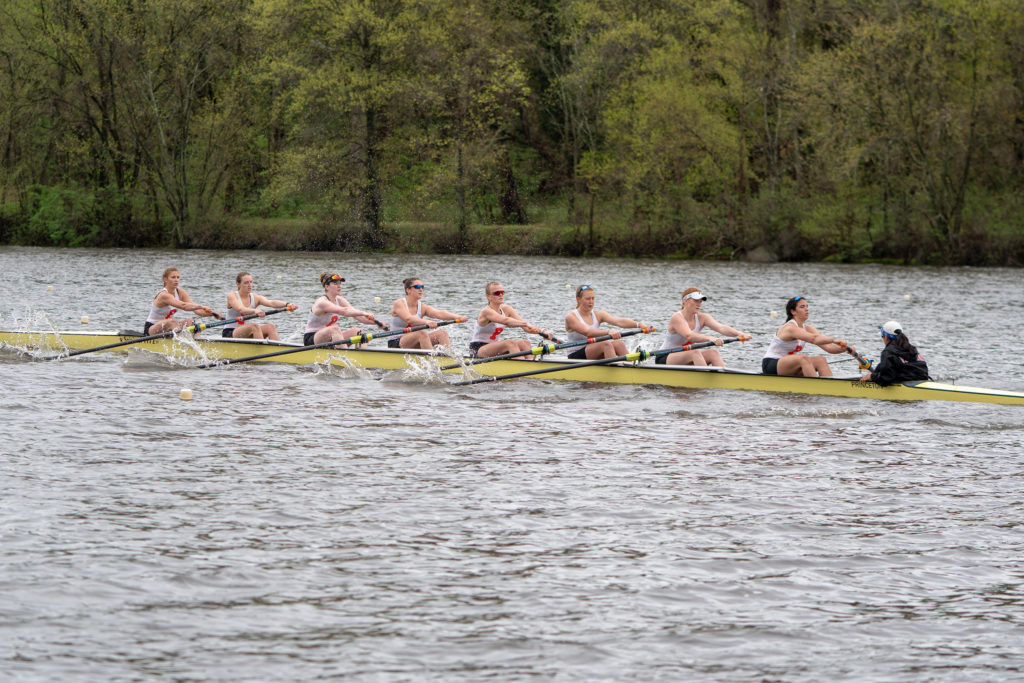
<point x="343" y="366"/>
<point x="420" y="370"/>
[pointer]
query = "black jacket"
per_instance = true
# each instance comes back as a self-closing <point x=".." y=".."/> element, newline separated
<point x="896" y="365"/>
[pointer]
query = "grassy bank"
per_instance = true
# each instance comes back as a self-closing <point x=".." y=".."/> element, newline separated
<point x="770" y="228"/>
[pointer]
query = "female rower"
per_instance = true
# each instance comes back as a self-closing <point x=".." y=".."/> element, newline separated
<point x="492" y="320"/>
<point x="169" y="301"/>
<point x="321" y="324"/>
<point x="783" y="356"/>
<point x="583" y="323"/>
<point x="410" y="311"/>
<point x="685" y="326"/>
<point x="238" y="308"/>
<point x="900" y="361"/>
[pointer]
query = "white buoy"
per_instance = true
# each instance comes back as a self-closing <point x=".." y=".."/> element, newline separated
<point x="278" y="277"/>
<point x="774" y="314"/>
<point x="568" y="286"/>
<point x="186" y="395"/>
<point x="85" y="319"/>
<point x="49" y="288"/>
<point x="376" y="299"/>
<point x="906" y="297"/>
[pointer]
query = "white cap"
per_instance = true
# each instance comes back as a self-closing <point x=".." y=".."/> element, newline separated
<point x="696" y="296"/>
<point x="891" y="329"/>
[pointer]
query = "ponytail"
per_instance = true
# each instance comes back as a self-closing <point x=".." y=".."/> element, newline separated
<point x="903" y="344"/>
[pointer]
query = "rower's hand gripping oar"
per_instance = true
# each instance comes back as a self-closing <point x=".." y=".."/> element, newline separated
<point x="862" y="362"/>
<point x="358" y="339"/>
<point x="193" y="328"/>
<point x="544" y="348"/>
<point x="635" y="356"/>
<point x="546" y="335"/>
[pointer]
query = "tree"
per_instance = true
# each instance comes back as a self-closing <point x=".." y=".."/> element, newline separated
<point x="904" y="108"/>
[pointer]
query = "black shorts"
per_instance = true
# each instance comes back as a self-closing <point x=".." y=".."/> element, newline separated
<point x="579" y="354"/>
<point x="474" y="348"/>
<point x="769" y="366"/>
<point x="661" y="360"/>
<point x="307" y="338"/>
<point x="228" y="332"/>
<point x="395" y="342"/>
<point x="145" y="327"/>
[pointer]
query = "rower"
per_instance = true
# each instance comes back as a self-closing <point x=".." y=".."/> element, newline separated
<point x="492" y="320"/>
<point x="583" y="322"/>
<point x="238" y="308"/>
<point x="168" y="301"/>
<point x="783" y="356"/>
<point x="410" y="311"/>
<point x="684" y="327"/>
<point x="321" y="324"/>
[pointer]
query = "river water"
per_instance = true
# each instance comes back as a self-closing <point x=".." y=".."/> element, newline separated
<point x="296" y="523"/>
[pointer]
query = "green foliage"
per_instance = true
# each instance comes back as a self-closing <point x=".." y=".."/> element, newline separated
<point x="56" y="216"/>
<point x="843" y="130"/>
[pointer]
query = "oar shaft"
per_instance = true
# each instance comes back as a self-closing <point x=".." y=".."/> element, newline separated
<point x="196" y="327"/>
<point x="640" y="355"/>
<point x="358" y="339"/>
<point x="540" y="350"/>
<point x="636" y="355"/>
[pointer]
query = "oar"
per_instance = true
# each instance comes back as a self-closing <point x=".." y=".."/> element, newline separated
<point x="639" y="355"/>
<point x="358" y="339"/>
<point x="542" y="349"/>
<point x="196" y="327"/>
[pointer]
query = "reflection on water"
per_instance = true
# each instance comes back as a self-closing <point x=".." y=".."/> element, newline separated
<point x="293" y="523"/>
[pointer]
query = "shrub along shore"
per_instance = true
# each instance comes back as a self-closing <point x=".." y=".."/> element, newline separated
<point x="788" y="236"/>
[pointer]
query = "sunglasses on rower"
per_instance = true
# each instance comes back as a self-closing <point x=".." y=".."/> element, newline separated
<point x="417" y="287"/>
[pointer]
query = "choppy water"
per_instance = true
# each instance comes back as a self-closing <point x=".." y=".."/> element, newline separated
<point x="292" y="524"/>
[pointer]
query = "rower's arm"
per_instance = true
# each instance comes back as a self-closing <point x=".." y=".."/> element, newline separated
<point x="346" y="309"/>
<point x="510" y="320"/>
<point x="272" y="303"/>
<point x="824" y="342"/>
<point x="440" y="314"/>
<point x="721" y="328"/>
<point x="602" y="316"/>
<point x="185" y="303"/>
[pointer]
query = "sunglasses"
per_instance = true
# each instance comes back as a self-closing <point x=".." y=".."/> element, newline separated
<point x="417" y="287"/>
<point x="335" y="278"/>
<point x="498" y="292"/>
<point x="797" y="298"/>
<point x="585" y="288"/>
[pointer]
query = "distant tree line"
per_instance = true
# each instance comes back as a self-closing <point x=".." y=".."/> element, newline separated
<point x="792" y="129"/>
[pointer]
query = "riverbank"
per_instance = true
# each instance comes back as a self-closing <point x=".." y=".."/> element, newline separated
<point x="693" y="240"/>
<point x="699" y="237"/>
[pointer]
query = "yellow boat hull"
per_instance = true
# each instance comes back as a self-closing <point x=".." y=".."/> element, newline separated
<point x="219" y="348"/>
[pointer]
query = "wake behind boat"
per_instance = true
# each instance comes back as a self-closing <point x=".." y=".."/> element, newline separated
<point x="225" y="349"/>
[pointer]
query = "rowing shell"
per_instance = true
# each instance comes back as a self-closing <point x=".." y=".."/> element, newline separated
<point x="689" y="377"/>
